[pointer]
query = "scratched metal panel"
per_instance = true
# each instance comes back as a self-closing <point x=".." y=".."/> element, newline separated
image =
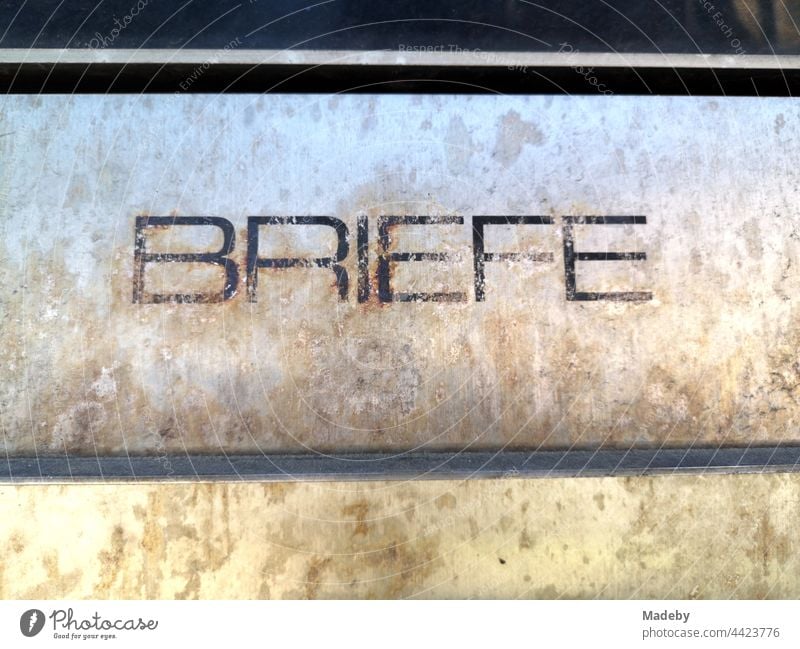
<point x="282" y="274"/>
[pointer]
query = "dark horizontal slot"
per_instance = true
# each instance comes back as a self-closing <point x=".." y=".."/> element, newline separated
<point x="659" y="26"/>
<point x="191" y="78"/>
<point x="442" y="465"/>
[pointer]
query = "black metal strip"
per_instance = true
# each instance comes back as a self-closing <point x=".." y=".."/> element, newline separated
<point x="411" y="466"/>
<point x="659" y="26"/>
<point x="104" y="78"/>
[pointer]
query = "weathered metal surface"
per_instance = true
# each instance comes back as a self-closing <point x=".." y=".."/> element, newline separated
<point x="688" y="338"/>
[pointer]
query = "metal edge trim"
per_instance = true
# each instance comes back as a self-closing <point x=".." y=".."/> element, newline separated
<point x="467" y="58"/>
<point x="410" y="466"/>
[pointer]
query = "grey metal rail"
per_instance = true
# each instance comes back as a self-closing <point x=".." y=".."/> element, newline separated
<point x="441" y="465"/>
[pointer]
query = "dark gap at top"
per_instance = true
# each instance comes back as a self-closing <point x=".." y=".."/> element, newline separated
<point x="642" y="26"/>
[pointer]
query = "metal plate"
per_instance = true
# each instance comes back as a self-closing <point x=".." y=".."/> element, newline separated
<point x="395" y="276"/>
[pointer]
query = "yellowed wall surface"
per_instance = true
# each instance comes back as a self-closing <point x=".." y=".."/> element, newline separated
<point x="675" y="536"/>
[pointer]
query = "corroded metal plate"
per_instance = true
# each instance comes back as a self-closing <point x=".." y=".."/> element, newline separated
<point x="282" y="274"/>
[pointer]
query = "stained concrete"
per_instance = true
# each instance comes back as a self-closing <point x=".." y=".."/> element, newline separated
<point x="731" y="536"/>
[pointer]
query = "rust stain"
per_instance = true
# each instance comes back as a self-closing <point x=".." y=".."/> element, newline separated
<point x="384" y="540"/>
<point x="360" y="511"/>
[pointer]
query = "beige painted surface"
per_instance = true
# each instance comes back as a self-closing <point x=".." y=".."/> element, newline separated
<point x="676" y="537"/>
